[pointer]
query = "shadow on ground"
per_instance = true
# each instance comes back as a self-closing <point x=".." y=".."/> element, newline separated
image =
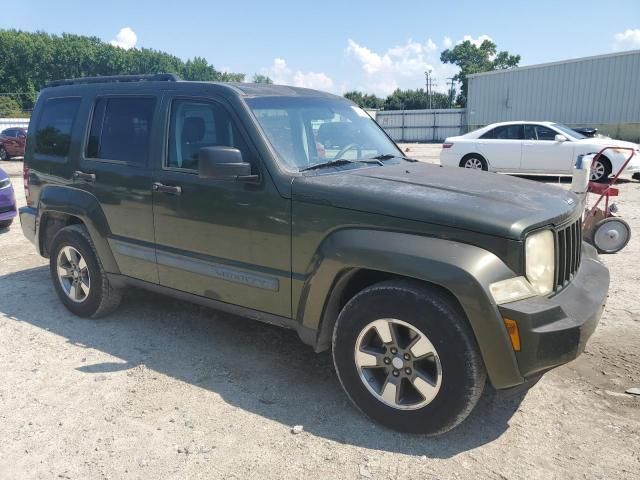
<point x="259" y="368"/>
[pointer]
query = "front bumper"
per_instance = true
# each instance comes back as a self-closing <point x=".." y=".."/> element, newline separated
<point x="555" y="330"/>
<point x="7" y="204"/>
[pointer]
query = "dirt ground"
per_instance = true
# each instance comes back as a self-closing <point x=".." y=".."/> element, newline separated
<point x="164" y="389"/>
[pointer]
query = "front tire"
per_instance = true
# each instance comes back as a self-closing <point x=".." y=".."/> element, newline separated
<point x="3" y="154"/>
<point x="474" y="162"/>
<point x="78" y="276"/>
<point x="6" y="224"/>
<point x="407" y="358"/>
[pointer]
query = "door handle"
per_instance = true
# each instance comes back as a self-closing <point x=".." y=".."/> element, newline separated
<point x="173" y="190"/>
<point x="87" y="177"/>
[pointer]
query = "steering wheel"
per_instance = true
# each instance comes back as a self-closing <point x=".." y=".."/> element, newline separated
<point x="344" y="150"/>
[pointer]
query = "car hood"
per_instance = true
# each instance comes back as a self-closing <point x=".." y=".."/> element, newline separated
<point x="605" y="142"/>
<point x="484" y="202"/>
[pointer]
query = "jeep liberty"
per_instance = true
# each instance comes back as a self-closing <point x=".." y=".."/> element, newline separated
<point x="293" y="207"/>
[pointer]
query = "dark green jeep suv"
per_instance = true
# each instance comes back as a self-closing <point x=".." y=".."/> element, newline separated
<point x="293" y="207"/>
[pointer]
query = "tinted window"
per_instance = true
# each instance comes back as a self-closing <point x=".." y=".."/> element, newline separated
<point x="10" y="132"/>
<point x="121" y="128"/>
<point x="505" y="132"/>
<point x="53" y="133"/>
<point x="545" y="133"/>
<point x="195" y="125"/>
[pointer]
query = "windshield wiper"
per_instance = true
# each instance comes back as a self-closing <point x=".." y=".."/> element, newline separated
<point x="340" y="161"/>
<point x="389" y="156"/>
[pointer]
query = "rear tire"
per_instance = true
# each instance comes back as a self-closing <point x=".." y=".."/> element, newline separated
<point x="78" y="275"/>
<point x="601" y="170"/>
<point x="474" y="161"/>
<point x="431" y="392"/>
<point x="4" y="155"/>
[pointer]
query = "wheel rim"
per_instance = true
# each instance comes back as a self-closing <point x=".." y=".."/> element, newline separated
<point x="398" y="364"/>
<point x="611" y="236"/>
<point x="3" y="154"/>
<point x="597" y="171"/>
<point x="73" y="274"/>
<point x="473" y="163"/>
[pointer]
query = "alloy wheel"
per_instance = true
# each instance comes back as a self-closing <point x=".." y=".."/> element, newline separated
<point x="73" y="274"/>
<point x="597" y="171"/>
<point x="473" y="163"/>
<point x="398" y="364"/>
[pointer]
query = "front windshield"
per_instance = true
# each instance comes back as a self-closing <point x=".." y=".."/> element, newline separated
<point x="569" y="131"/>
<point x="307" y="131"/>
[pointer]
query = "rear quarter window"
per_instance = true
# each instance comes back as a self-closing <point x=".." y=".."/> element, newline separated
<point x="53" y="132"/>
<point x="121" y="129"/>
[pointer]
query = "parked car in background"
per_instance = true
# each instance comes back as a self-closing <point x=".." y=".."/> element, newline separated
<point x="534" y="148"/>
<point x="7" y="201"/>
<point x="586" y="131"/>
<point x="12" y="142"/>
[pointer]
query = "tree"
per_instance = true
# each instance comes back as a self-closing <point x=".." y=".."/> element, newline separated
<point x="10" y="108"/>
<point x="364" y="100"/>
<point x="473" y="59"/>
<point x="258" y="78"/>
<point x="29" y="60"/>
<point x="415" y="100"/>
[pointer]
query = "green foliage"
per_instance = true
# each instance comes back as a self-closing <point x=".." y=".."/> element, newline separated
<point x="415" y="100"/>
<point x="257" y="78"/>
<point x="472" y="59"/>
<point x="29" y="60"/>
<point x="364" y="100"/>
<point x="10" y="107"/>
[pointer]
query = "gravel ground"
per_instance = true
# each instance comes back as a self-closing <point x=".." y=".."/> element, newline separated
<point x="166" y="389"/>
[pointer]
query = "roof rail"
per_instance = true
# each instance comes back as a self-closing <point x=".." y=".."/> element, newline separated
<point x="156" y="77"/>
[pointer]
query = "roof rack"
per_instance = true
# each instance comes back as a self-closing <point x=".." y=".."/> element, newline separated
<point x="156" y="77"/>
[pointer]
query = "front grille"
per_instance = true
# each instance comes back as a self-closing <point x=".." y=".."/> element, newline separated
<point x="569" y="253"/>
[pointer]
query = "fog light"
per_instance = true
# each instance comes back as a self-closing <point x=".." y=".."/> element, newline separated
<point x="514" y="334"/>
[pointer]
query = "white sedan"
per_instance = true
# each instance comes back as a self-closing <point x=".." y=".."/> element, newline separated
<point x="534" y="148"/>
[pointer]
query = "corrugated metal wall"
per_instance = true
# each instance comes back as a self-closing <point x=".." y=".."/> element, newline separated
<point x="421" y="125"/>
<point x="13" y="122"/>
<point x="601" y="91"/>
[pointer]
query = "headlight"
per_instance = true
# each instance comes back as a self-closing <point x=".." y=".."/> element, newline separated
<point x="540" y="261"/>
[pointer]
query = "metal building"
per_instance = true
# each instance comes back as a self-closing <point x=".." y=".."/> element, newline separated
<point x="601" y="91"/>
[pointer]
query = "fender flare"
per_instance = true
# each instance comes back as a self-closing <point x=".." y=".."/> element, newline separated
<point x="463" y="270"/>
<point x="84" y="206"/>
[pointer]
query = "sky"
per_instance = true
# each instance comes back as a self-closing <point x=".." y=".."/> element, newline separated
<point x="372" y="46"/>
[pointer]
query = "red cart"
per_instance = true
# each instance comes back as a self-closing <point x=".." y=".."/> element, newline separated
<point x="600" y="226"/>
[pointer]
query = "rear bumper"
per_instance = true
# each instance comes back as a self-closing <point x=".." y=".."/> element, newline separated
<point x="28" y="217"/>
<point x="555" y="330"/>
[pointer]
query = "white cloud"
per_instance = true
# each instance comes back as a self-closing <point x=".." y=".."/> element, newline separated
<point x="447" y="42"/>
<point x="126" y="38"/>
<point x="401" y="66"/>
<point x="280" y="72"/>
<point x="627" y="40"/>
<point x="476" y="41"/>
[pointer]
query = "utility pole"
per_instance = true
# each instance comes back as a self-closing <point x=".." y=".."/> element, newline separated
<point x="429" y="85"/>
<point x="451" y="92"/>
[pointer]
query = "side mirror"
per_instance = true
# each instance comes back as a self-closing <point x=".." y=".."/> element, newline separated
<point x="222" y="163"/>
<point x="560" y="138"/>
<point x="22" y="136"/>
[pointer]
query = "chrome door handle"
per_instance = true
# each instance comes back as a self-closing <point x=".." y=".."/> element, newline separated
<point x="87" y="177"/>
<point x="161" y="188"/>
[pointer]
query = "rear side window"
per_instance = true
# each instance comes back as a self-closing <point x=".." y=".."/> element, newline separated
<point x="505" y="132"/>
<point x="121" y="129"/>
<point x="53" y="133"/>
